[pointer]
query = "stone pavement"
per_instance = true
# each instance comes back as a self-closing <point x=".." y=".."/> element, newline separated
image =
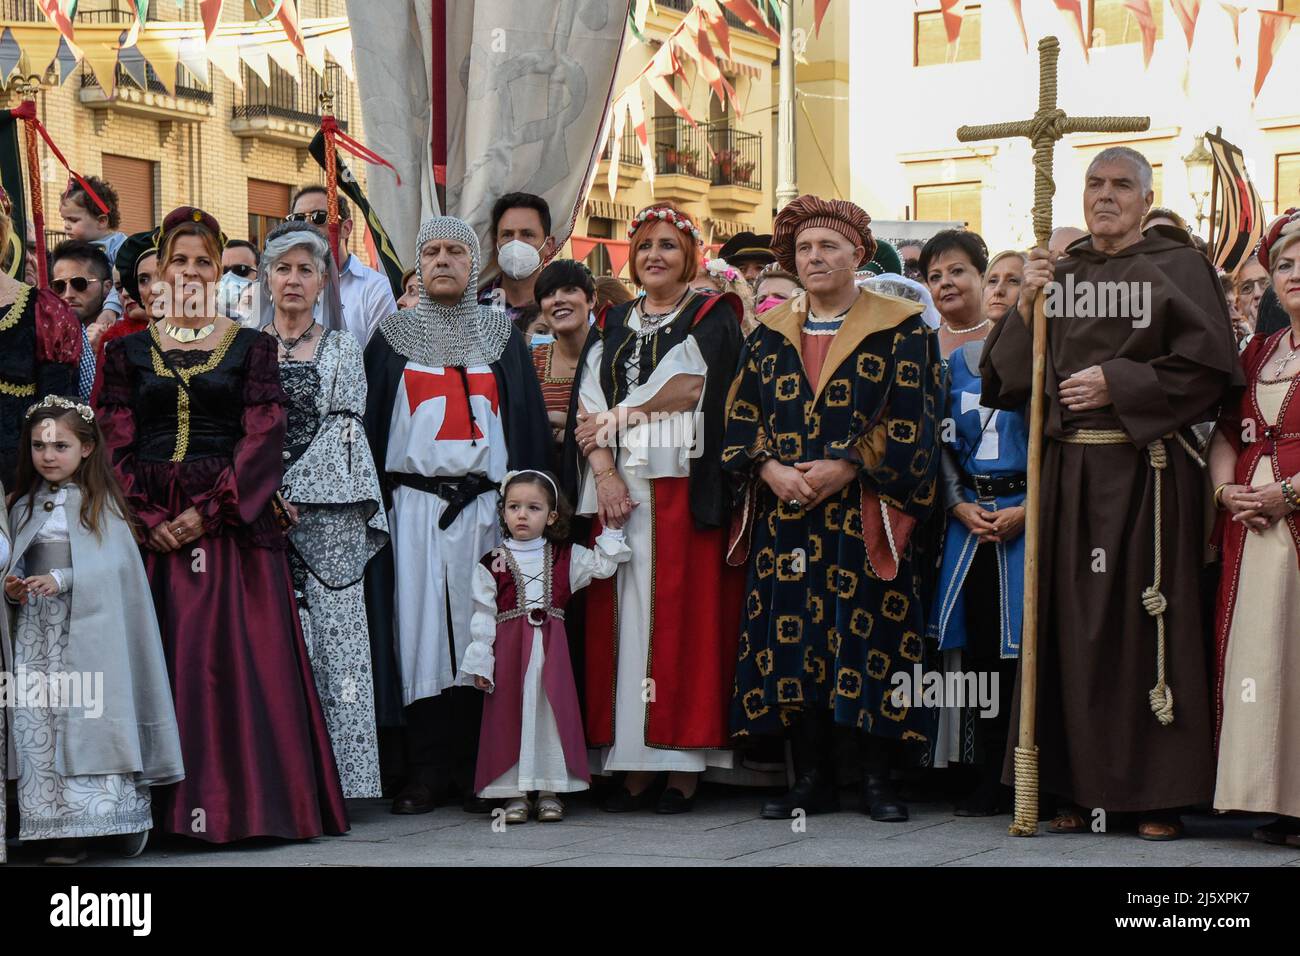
<point x="723" y="830"/>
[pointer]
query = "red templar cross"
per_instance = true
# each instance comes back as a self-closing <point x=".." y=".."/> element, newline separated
<point x="456" y="422"/>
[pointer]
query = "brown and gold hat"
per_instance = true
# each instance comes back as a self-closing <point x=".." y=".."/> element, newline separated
<point x="809" y="212"/>
<point x="188" y="214"/>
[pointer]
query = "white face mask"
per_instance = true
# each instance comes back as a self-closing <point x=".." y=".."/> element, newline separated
<point x="518" y="259"/>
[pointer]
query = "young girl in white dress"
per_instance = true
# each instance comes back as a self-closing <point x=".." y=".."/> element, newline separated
<point x="532" y="736"/>
<point x="93" y="724"/>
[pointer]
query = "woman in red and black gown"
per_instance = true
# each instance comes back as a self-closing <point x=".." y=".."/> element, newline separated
<point x="199" y="458"/>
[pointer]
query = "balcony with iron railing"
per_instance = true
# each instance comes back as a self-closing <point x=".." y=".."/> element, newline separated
<point x="287" y="111"/>
<point x="691" y="162"/>
<point x="186" y="86"/>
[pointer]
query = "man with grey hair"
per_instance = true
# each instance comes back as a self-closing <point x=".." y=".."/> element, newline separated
<point x="1139" y="348"/>
<point x="452" y="404"/>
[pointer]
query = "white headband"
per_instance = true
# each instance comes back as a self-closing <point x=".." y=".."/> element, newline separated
<point x="512" y="475"/>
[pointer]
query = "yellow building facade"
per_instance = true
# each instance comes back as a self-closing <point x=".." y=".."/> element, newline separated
<point x="238" y="153"/>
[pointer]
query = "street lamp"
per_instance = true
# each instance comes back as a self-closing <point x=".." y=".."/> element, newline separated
<point x="1200" y="172"/>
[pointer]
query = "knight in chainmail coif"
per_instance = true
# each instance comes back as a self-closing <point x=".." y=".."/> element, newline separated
<point x="453" y="403"/>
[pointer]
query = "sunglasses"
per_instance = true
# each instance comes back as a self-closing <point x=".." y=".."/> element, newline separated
<point x="240" y="270"/>
<point x="78" y="283"/>
<point x="317" y="218"/>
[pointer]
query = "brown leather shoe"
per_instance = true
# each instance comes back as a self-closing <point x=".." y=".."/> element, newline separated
<point x="1160" y="830"/>
<point x="1068" y="821"/>
<point x="415" y="798"/>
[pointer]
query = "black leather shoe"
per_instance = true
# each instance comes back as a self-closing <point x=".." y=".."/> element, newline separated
<point x="673" y="800"/>
<point x="880" y="800"/>
<point x="812" y="793"/>
<point x="415" y="798"/>
<point x="623" y="800"/>
<point x="473" y="804"/>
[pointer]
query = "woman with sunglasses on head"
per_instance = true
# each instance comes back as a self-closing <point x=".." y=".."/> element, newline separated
<point x="366" y="293"/>
<point x="194" y="417"/>
<point x="40" y="348"/>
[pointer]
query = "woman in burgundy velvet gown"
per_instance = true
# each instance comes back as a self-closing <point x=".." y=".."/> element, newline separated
<point x="194" y="416"/>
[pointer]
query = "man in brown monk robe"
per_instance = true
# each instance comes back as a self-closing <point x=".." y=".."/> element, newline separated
<point x="1139" y="348"/>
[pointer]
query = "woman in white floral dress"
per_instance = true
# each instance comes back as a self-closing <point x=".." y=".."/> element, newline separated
<point x="331" y="488"/>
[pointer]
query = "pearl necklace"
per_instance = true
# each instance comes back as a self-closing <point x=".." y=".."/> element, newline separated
<point x="974" y="328"/>
<point x="186" y="335"/>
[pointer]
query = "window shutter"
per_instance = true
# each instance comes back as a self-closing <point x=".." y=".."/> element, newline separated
<point x="133" y="180"/>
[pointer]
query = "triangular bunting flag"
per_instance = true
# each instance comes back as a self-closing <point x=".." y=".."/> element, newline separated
<point x="1273" y="28"/>
<point x="102" y="58"/>
<point x="953" y="12"/>
<point x="819" y="14"/>
<point x="339" y="45"/>
<point x="130" y="60"/>
<point x="164" y="55"/>
<point x="194" y="57"/>
<point x="1141" y="10"/>
<point x="285" y="56"/>
<point x="288" y="15"/>
<point x="618" y="250"/>
<point x="315" y="55"/>
<point x="256" y="59"/>
<point x="718" y="23"/>
<point x="1234" y="13"/>
<point x="1187" y="11"/>
<point x="582" y="246"/>
<point x="745" y="10"/>
<point x="38" y="42"/>
<point x="210" y="10"/>
<point x="223" y="52"/>
<point x="10" y="54"/>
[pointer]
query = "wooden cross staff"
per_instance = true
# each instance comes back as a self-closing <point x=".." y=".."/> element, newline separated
<point x="1045" y="127"/>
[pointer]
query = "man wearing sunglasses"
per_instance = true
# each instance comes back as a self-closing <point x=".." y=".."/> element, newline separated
<point x="82" y="277"/>
<point x="365" y="293"/>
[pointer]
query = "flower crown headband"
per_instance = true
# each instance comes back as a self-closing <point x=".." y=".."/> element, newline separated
<point x="722" y="269"/>
<point x="664" y="214"/>
<point x="57" y="401"/>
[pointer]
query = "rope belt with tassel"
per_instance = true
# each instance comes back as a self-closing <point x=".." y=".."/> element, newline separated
<point x="1162" y="695"/>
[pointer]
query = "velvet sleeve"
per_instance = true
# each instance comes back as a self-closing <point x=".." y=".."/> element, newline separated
<point x="746" y="442"/>
<point x="58" y="346"/>
<point x="1230" y="419"/>
<point x="116" y="416"/>
<point x="243" y="489"/>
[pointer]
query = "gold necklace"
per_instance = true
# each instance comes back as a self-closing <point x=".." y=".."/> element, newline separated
<point x="186" y="335"/>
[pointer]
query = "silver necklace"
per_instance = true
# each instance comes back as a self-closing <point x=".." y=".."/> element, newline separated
<point x="288" y="345"/>
<point x="974" y="328"/>
<point x="1283" y="362"/>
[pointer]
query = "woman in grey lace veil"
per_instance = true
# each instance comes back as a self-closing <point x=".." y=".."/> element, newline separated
<point x="330" y="486"/>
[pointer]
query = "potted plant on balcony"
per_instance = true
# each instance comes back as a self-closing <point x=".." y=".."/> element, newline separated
<point x="743" y="173"/>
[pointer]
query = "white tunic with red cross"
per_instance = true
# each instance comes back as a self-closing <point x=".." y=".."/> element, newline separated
<point x="433" y="434"/>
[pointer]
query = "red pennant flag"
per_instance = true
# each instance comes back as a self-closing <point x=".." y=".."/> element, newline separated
<point x="953" y="11"/>
<point x="582" y="246"/>
<point x="1141" y="10"/>
<point x="1020" y="19"/>
<point x="1187" y="11"/>
<point x="289" y="20"/>
<point x="211" y="12"/>
<point x="819" y="14"/>
<point x="618" y="250"/>
<point x="1072" y="7"/>
<point x="1273" y="28"/>
<point x="747" y="12"/>
<point x="53" y="11"/>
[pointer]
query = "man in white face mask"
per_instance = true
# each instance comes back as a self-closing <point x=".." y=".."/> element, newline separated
<point x="521" y="230"/>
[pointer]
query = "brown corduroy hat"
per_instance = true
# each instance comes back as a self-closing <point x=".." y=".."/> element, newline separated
<point x="808" y="212"/>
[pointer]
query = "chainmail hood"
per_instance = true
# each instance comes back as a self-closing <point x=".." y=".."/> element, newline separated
<point x="439" y="335"/>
